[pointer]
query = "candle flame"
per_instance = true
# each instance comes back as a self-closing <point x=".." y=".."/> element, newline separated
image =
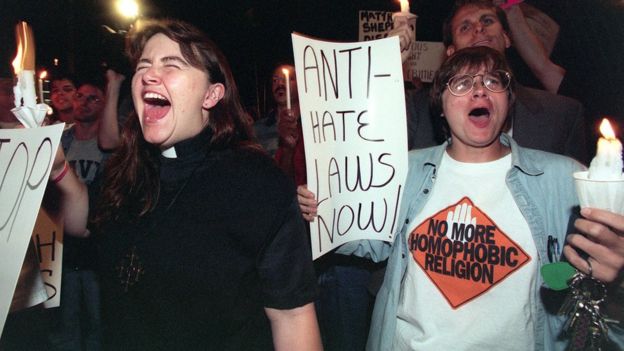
<point x="43" y="74"/>
<point x="285" y="71"/>
<point x="404" y="5"/>
<point x="17" y="62"/>
<point x="25" y="58"/>
<point x="606" y="130"/>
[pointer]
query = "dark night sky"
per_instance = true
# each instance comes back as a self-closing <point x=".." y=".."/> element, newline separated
<point x="255" y="34"/>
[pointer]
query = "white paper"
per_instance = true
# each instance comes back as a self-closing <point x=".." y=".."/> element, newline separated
<point x="355" y="135"/>
<point x="26" y="157"/>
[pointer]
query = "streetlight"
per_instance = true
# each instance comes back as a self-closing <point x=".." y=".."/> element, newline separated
<point x="127" y="8"/>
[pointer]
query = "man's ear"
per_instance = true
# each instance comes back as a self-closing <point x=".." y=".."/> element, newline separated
<point x="450" y="50"/>
<point x="213" y="95"/>
<point x="507" y="40"/>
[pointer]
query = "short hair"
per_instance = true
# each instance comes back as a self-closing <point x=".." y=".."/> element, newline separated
<point x="447" y="27"/>
<point x="471" y="57"/>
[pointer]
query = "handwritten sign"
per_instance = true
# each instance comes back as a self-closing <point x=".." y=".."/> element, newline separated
<point x="374" y="24"/>
<point x="426" y="56"/>
<point x="48" y="239"/>
<point x="26" y="157"/>
<point x="355" y="136"/>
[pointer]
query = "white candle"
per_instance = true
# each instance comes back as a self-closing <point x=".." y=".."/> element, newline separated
<point x="405" y="6"/>
<point x="287" y="78"/>
<point x="607" y="165"/>
<point x="24" y="66"/>
<point x="42" y="76"/>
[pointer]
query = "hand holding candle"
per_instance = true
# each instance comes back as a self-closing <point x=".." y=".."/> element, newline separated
<point x="405" y="19"/>
<point x="287" y="78"/>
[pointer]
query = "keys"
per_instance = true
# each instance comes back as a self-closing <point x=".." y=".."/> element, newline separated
<point x="586" y="326"/>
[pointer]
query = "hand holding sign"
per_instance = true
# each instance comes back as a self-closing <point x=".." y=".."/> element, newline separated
<point x="307" y="202"/>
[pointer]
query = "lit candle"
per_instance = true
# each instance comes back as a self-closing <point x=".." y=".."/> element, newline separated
<point x="405" y="6"/>
<point x="287" y="78"/>
<point x="24" y="66"/>
<point x="607" y="165"/>
<point x="42" y="76"/>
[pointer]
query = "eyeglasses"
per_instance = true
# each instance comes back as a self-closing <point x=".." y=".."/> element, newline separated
<point x="496" y="82"/>
<point x="90" y="98"/>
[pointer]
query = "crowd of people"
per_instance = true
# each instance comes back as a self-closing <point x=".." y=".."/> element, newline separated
<point x="185" y="221"/>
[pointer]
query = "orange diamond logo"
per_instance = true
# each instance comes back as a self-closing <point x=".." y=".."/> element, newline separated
<point x="463" y="252"/>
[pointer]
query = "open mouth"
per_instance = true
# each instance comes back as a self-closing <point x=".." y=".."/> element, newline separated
<point x="480" y="112"/>
<point x="480" y="116"/>
<point x="484" y="42"/>
<point x="156" y="106"/>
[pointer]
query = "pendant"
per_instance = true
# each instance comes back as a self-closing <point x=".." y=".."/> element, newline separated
<point x="129" y="269"/>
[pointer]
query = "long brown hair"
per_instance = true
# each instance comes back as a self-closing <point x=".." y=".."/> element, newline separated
<point x="131" y="186"/>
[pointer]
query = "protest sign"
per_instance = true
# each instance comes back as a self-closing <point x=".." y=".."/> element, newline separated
<point x="355" y="136"/>
<point x="48" y="240"/>
<point x="374" y="24"/>
<point x="425" y="57"/>
<point x="26" y="157"/>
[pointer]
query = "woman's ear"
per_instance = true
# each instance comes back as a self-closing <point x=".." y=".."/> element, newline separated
<point x="213" y="95"/>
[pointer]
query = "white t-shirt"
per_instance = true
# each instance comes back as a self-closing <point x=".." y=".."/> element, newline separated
<point x="470" y="275"/>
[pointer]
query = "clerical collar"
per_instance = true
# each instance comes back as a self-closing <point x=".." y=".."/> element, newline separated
<point x="170" y="152"/>
<point x="190" y="146"/>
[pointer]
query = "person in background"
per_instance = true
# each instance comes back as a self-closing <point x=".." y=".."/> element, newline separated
<point x="199" y="234"/>
<point x="62" y="91"/>
<point x="267" y="128"/>
<point x="79" y="320"/>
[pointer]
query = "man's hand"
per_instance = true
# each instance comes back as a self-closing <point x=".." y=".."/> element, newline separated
<point x="287" y="128"/>
<point x="307" y="202"/>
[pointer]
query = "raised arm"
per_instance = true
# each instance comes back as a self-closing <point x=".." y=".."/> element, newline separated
<point x="73" y="203"/>
<point x="108" y="133"/>
<point x="533" y="51"/>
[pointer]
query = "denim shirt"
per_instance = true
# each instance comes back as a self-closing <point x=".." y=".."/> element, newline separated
<point x="542" y="186"/>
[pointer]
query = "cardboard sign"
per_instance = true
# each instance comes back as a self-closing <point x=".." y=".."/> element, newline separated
<point x="355" y="135"/>
<point x="26" y="157"/>
<point x="426" y="56"/>
<point x="48" y="240"/>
